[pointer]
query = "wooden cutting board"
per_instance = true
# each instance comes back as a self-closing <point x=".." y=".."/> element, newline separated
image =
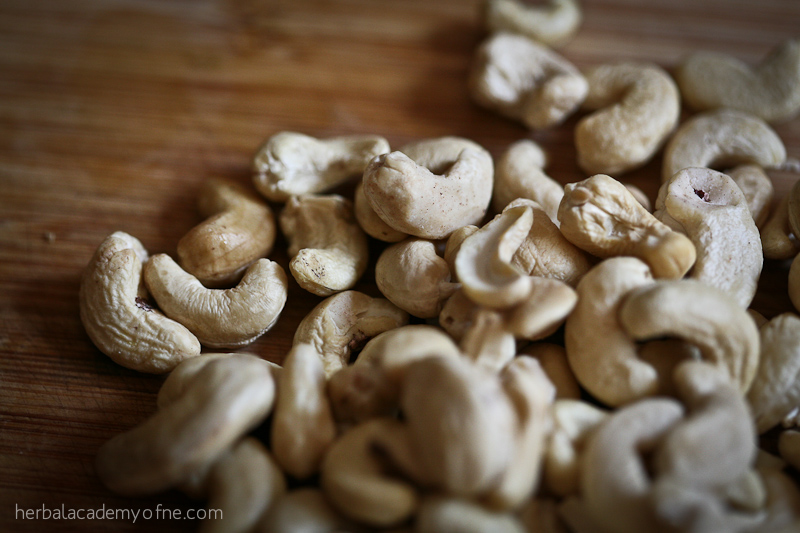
<point x="113" y="112"/>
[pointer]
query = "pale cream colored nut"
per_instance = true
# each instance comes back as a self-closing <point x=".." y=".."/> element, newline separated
<point x="305" y="510"/>
<point x="722" y="138"/>
<point x="344" y="322"/>
<point x="453" y="245"/>
<point x="227" y="398"/>
<point x="240" y="228"/>
<point x="770" y="90"/>
<point x="789" y="447"/>
<point x="412" y="197"/>
<point x="369" y="220"/>
<point x="525" y="81"/>
<point x="553" y="24"/>
<point x="573" y="423"/>
<point x="638" y="107"/>
<point x="393" y="350"/>
<point x="519" y="174"/>
<point x="354" y="476"/>
<point x="775" y="392"/>
<point x="488" y="342"/>
<point x="117" y="317"/>
<point x="413" y="277"/>
<point x="459" y="419"/>
<point x="599" y="215"/>
<point x="777" y="240"/>
<point x="546" y="252"/>
<point x="290" y="163"/>
<point x="450" y="514"/>
<point x="712" y="211"/>
<point x="327" y="247"/>
<point x="757" y="188"/>
<point x="615" y="482"/>
<point x="458" y="315"/>
<point x="794" y="283"/>
<point x="553" y="358"/>
<point x="532" y="394"/>
<point x="700" y="314"/>
<point x="220" y="318"/>
<point x="302" y="422"/>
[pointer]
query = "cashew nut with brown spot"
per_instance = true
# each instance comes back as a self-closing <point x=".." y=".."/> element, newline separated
<point x="599" y="215"/>
<point x="553" y="24"/>
<point x="220" y="318"/>
<point x="117" y="317"/>
<point x="240" y="229"/>
<point x="327" y="247"/>
<point x="770" y="90"/>
<point x="638" y="107"/>
<point x="290" y="163"/>
<point x="525" y="81"/>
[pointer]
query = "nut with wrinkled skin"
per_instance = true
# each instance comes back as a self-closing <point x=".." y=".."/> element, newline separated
<point x="712" y="211"/>
<point x="115" y="313"/>
<point x="638" y="107"/>
<point x="413" y="277"/>
<point x="526" y="81"/>
<point x="553" y="25"/>
<point x="447" y="185"/>
<point x="220" y="318"/>
<point x="227" y="398"/>
<point x="722" y="138"/>
<point x="290" y="163"/>
<point x="449" y="514"/>
<point x="344" y="322"/>
<point x="369" y="220"/>
<point x="328" y="248"/>
<point x="770" y="90"/>
<point x="553" y="358"/>
<point x="240" y="229"/>
<point x="599" y="215"/>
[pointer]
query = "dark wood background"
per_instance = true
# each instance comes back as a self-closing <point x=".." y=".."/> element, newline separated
<point x="113" y="112"/>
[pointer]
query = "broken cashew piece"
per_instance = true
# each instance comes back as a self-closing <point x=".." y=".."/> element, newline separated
<point x="290" y="163"/>
<point x="115" y="313"/>
<point x="525" y="81"/>
<point x="770" y="90"/>
<point x="638" y="107"/>
<point x="553" y="24"/>
<point x="599" y="215"/>
<point x="327" y="247"/>
<point x="221" y="318"/>
<point x="240" y="229"/>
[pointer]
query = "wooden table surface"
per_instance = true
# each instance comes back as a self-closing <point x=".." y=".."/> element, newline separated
<point x="113" y="112"/>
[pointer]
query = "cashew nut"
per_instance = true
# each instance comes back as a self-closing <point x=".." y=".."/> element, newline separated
<point x="712" y="211"/>
<point x="757" y="188"/>
<point x="115" y="313"/>
<point x="770" y="91"/>
<point x="410" y="196"/>
<point x="369" y="220"/>
<point x="639" y="106"/>
<point x="305" y="510"/>
<point x="553" y="25"/>
<point x="777" y="239"/>
<point x="327" y="247"/>
<point x="553" y="358"/>
<point x="448" y="514"/>
<point x="599" y="215"/>
<point x="240" y="228"/>
<point x="525" y="80"/>
<point x="219" y="317"/>
<point x="290" y="163"/>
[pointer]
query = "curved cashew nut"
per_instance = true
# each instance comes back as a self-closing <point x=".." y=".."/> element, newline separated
<point x="553" y="358"/>
<point x="599" y="215"/>
<point x="639" y="106"/>
<point x="775" y="391"/>
<point x="115" y="313"/>
<point x="327" y="247"/>
<point x="343" y="322"/>
<point x="240" y="228"/>
<point x="219" y="317"/>
<point x="354" y="476"/>
<point x="525" y="81"/>
<point x="725" y="137"/>
<point x="702" y="315"/>
<point x="228" y="398"/>
<point x="304" y="510"/>
<point x="411" y="197"/>
<point x="771" y="90"/>
<point x="553" y="25"/>
<point x="519" y="174"/>
<point x="290" y="163"/>
<point x="448" y="514"/>
<point x="615" y="482"/>
<point x="711" y="210"/>
<point x="413" y="277"/>
<point x="369" y="220"/>
<point x="302" y="423"/>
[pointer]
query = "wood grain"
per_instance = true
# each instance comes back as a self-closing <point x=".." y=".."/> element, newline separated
<point x="112" y="114"/>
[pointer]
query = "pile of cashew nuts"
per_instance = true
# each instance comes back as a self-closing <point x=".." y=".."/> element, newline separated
<point x="544" y="358"/>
